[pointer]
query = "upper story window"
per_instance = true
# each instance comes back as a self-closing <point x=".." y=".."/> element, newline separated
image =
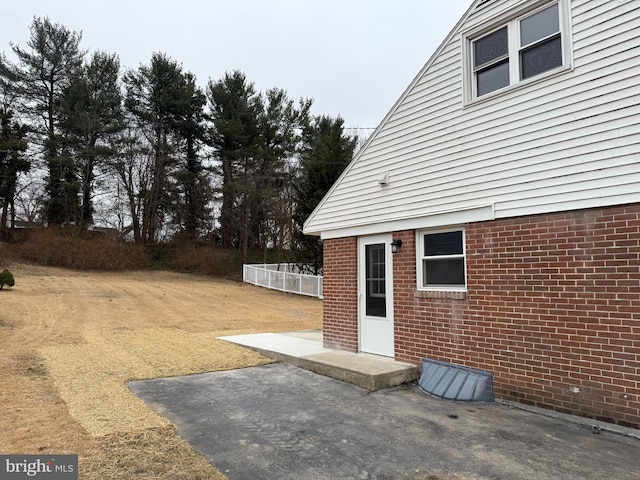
<point x="518" y="49"/>
<point x="491" y="61"/>
<point x="540" y="42"/>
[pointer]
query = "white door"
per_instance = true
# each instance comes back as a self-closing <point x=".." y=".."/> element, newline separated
<point x="375" y="295"/>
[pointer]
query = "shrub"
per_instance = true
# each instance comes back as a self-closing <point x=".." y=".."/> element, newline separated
<point x="212" y="261"/>
<point x="88" y="251"/>
<point x="6" y="278"/>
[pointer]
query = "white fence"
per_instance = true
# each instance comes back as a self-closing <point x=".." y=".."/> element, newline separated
<point x="284" y="277"/>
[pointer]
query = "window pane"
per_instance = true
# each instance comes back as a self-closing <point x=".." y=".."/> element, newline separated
<point x="490" y="47"/>
<point x="444" y="272"/>
<point x="375" y="297"/>
<point x="493" y="78"/>
<point x="447" y="243"/>
<point x="540" y="58"/>
<point x="539" y="25"/>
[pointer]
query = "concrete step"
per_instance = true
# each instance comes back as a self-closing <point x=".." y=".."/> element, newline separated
<point x="304" y="350"/>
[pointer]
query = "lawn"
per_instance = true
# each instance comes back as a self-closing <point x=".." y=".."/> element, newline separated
<point x="69" y="342"/>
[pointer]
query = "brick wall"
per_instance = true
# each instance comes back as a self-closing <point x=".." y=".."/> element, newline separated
<point x="552" y="309"/>
<point x="340" y="291"/>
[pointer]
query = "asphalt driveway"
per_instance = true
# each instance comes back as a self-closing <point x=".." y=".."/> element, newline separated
<point x="281" y="422"/>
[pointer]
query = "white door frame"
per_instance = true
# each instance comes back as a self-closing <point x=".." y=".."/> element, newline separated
<point x="375" y="332"/>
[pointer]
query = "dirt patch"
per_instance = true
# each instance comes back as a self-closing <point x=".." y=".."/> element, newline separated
<point x="70" y="340"/>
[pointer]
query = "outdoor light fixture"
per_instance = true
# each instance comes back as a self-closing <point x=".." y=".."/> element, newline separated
<point x="395" y="245"/>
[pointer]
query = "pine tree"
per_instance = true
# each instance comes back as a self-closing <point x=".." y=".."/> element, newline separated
<point x="153" y="98"/>
<point x="43" y="73"/>
<point x="280" y="127"/>
<point x="325" y="153"/>
<point x="91" y="115"/>
<point x="234" y="108"/>
<point x="168" y="110"/>
<point x="254" y="137"/>
<point x="12" y="163"/>
<point x="192" y="193"/>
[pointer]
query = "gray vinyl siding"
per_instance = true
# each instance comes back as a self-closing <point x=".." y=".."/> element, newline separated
<point x="568" y="141"/>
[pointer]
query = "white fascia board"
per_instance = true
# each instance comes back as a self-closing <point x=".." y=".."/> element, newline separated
<point x="436" y="220"/>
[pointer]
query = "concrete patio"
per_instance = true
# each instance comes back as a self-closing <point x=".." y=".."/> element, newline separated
<point x="304" y="349"/>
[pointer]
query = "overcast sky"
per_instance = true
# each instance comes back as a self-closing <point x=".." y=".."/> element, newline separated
<point x="353" y="57"/>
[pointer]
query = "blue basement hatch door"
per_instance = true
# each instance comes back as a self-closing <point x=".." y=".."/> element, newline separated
<point x="455" y="382"/>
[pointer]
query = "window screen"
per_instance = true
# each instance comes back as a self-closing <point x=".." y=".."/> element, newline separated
<point x="541" y="42"/>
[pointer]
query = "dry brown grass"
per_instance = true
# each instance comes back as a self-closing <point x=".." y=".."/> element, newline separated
<point x="70" y="340"/>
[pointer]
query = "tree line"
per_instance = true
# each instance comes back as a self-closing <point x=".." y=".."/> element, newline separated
<point x="157" y="156"/>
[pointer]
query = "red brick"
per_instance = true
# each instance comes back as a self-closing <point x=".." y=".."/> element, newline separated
<point x="552" y="302"/>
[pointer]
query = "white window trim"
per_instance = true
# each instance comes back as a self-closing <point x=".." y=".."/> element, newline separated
<point x="512" y="18"/>
<point x="420" y="257"/>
